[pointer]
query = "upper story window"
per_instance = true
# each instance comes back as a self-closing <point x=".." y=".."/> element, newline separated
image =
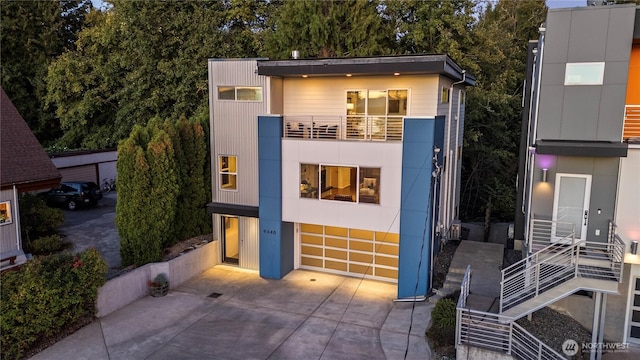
<point x="240" y="93"/>
<point x="588" y="73"/>
<point x="228" y="171"/>
<point x="444" y="95"/>
<point x="377" y="102"/>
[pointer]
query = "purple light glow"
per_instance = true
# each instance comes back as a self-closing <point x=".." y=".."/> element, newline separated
<point x="545" y="161"/>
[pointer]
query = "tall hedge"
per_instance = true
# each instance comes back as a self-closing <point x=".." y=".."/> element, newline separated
<point x="45" y="296"/>
<point x="162" y="188"/>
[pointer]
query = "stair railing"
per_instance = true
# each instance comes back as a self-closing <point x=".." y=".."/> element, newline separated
<point x="494" y="332"/>
<point x="538" y="273"/>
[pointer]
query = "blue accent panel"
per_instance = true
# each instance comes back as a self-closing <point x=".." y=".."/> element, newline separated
<point x="286" y="263"/>
<point x="276" y="237"/>
<point x="416" y="207"/>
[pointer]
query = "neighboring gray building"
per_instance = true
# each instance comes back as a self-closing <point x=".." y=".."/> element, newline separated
<point x="578" y="184"/>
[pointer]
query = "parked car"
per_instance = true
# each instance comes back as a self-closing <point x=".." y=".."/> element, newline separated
<point x="73" y="194"/>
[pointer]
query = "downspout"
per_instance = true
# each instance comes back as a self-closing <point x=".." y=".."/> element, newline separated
<point x="455" y="172"/>
<point x="16" y="218"/>
<point x="534" y="132"/>
<point x="447" y="165"/>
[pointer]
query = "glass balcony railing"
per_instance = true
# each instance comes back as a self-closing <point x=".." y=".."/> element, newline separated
<point x="351" y="127"/>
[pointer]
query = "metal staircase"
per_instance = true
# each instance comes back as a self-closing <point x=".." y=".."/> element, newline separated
<point x="556" y="269"/>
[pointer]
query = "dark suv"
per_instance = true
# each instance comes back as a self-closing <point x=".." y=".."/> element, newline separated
<point x="73" y="194"/>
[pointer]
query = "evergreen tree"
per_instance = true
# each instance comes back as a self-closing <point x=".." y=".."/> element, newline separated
<point x="163" y="188"/>
<point x="32" y="34"/>
<point x="329" y="28"/>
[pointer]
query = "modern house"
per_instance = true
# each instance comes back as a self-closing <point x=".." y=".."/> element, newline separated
<point x="24" y="166"/>
<point x="346" y="165"/>
<point x="578" y="210"/>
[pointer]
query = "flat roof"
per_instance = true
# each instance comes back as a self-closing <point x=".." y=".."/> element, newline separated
<point x="367" y="66"/>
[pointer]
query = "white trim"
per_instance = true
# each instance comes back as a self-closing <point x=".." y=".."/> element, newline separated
<point x="585" y="205"/>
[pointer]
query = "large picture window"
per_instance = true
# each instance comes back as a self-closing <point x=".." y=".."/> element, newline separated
<point x="340" y="183"/>
<point x="5" y="213"/>
<point x="376" y="114"/>
<point x="240" y="93"/>
<point x="228" y="170"/>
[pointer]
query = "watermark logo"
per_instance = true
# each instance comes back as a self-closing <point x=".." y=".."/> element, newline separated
<point x="570" y="347"/>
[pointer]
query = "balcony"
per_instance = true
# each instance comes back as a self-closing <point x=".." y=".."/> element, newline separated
<point x="631" y="129"/>
<point x="350" y="128"/>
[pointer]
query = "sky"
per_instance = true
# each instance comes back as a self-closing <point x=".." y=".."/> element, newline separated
<point x="565" y="3"/>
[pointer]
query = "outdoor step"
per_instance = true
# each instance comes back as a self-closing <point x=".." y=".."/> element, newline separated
<point x="453" y="270"/>
<point x="452" y="285"/>
<point x="455" y="277"/>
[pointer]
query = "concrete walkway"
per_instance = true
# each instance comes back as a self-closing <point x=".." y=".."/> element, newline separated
<point x="307" y="315"/>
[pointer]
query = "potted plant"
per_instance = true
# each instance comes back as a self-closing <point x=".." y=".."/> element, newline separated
<point x="159" y="286"/>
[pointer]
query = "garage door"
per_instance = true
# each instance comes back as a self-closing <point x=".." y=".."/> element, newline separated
<point x="80" y="173"/>
<point x="352" y="252"/>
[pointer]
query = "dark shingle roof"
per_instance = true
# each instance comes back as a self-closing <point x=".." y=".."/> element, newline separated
<point x="23" y="161"/>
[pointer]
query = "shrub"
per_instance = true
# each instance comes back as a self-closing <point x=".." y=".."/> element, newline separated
<point x="443" y="323"/>
<point x="47" y="245"/>
<point x="37" y="219"/>
<point x="45" y="296"/>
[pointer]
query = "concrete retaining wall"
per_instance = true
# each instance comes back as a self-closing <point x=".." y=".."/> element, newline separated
<point x="472" y="352"/>
<point x="129" y="287"/>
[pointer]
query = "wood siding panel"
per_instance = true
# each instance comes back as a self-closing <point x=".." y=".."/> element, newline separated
<point x="327" y="96"/>
<point x="9" y="232"/>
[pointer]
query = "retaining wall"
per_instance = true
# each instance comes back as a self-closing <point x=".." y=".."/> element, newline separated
<point x="129" y="287"/>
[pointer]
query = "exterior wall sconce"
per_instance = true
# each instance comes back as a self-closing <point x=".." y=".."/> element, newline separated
<point x="544" y="175"/>
<point x="634" y="248"/>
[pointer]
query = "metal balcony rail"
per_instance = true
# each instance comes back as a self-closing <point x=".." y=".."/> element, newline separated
<point x="493" y="332"/>
<point x="352" y="127"/>
<point x="631" y="126"/>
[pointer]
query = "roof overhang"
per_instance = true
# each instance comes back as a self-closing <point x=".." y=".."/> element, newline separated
<point x="582" y="148"/>
<point x="232" y="209"/>
<point x="369" y="66"/>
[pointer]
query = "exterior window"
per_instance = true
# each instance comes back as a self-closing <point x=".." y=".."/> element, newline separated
<point x="397" y="102"/>
<point x="309" y="178"/>
<point x="240" y="93"/>
<point x="369" y="187"/>
<point x="5" y="213"/>
<point x="444" y="96"/>
<point x="338" y="183"/>
<point x="584" y="73"/>
<point x="228" y="170"/>
<point x="341" y="183"/>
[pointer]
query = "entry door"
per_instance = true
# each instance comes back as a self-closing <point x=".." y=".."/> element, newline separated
<point x="571" y="205"/>
<point x="230" y="240"/>
<point x="634" y="316"/>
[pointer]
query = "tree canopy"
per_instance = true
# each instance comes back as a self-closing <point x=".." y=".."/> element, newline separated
<point x="84" y="77"/>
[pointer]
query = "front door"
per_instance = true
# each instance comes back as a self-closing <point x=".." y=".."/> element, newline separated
<point x="571" y="206"/>
<point x="230" y="242"/>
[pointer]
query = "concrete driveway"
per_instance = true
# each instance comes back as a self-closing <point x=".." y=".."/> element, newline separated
<point x="229" y="313"/>
<point x="95" y="227"/>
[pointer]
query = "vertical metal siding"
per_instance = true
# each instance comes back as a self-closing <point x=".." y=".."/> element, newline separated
<point x="235" y="127"/>
<point x="249" y="244"/>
